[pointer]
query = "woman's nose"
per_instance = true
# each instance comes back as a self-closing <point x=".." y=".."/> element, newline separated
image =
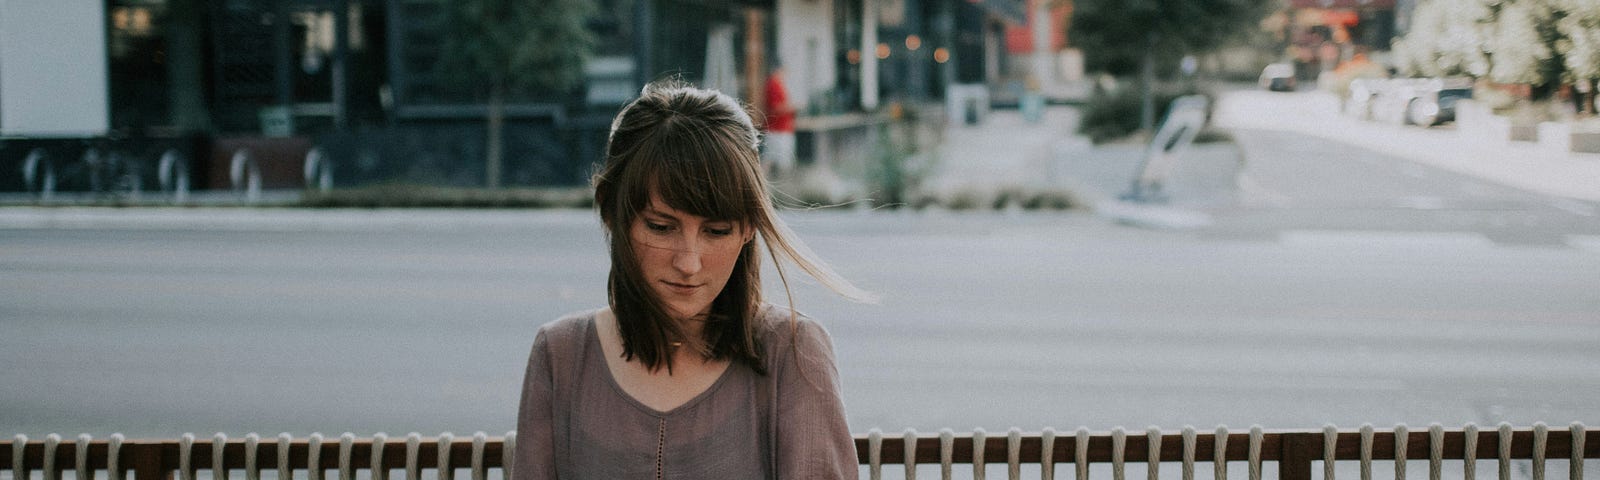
<point x="686" y="261"/>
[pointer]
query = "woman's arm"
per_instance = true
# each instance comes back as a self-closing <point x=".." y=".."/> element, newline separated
<point x="814" y="440"/>
<point x="534" y="458"/>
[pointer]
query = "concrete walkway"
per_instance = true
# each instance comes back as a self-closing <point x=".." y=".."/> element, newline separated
<point x="1523" y="165"/>
<point x="1008" y="152"/>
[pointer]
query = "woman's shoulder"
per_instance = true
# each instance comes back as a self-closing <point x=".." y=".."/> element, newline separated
<point x="567" y="329"/>
<point x="782" y="328"/>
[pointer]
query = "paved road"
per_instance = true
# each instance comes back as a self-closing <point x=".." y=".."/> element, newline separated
<point x="1354" y="179"/>
<point x="989" y="320"/>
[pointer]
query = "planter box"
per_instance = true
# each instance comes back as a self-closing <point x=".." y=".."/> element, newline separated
<point x="1477" y="123"/>
<point x="1560" y="137"/>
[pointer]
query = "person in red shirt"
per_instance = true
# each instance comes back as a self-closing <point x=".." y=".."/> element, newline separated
<point x="779" y="139"/>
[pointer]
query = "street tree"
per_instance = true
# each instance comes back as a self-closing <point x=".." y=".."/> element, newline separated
<point x="1525" y="46"/>
<point x="1120" y="37"/>
<point x="513" y="49"/>
<point x="1580" y="29"/>
<point x="1447" y="38"/>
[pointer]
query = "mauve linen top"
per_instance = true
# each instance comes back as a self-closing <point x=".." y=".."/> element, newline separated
<point x="576" y="422"/>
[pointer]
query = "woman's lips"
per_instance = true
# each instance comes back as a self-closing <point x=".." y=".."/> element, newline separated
<point x="680" y="288"/>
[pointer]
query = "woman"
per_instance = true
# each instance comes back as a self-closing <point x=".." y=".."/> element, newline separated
<point x="687" y="374"/>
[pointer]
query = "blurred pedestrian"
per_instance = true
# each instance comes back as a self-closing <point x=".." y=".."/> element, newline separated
<point x="687" y="373"/>
<point x="779" y="141"/>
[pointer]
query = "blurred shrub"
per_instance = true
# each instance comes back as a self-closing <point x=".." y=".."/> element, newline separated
<point x="1114" y="115"/>
<point x="420" y="196"/>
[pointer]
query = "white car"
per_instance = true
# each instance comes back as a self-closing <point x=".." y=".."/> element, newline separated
<point x="1278" y="77"/>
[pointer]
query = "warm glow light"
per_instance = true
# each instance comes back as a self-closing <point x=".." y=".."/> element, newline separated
<point x="941" y="55"/>
<point x="140" y="23"/>
<point x="883" y="51"/>
<point x="913" y="42"/>
<point x="853" y="56"/>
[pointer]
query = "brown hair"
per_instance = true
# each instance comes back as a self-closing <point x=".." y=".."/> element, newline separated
<point x="696" y="149"/>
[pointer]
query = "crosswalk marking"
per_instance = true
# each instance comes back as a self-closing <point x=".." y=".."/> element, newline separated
<point x="1383" y="239"/>
<point x="1590" y="243"/>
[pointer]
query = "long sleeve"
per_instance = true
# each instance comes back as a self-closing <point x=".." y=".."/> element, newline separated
<point x="813" y="438"/>
<point x="534" y="458"/>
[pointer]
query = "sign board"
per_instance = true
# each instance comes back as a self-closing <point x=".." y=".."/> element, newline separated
<point x="53" y="74"/>
<point x="1185" y="118"/>
<point x="276" y="121"/>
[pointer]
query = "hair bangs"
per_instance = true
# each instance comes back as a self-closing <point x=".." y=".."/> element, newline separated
<point x="687" y="174"/>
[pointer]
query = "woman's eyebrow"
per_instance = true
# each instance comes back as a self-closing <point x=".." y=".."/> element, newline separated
<point x="658" y="213"/>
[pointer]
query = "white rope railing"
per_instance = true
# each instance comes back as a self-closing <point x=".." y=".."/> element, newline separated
<point x="1081" y="453"/>
<point x="1047" y="455"/>
<point x="1401" y="438"/>
<point x="252" y="470"/>
<point x="1575" y="469"/>
<point x="347" y="447"/>
<point x="413" y="445"/>
<point x="979" y="440"/>
<point x="379" y="472"/>
<point x="875" y="454"/>
<point x="1153" y="453"/>
<point x="1541" y="435"/>
<point x="1221" y="451"/>
<point x="1366" y="451"/>
<point x="222" y="453"/>
<point x="1505" y="451"/>
<point x="910" y="441"/>
<point x="1330" y="449"/>
<point x="1014" y="454"/>
<point x="113" y="457"/>
<point x="218" y="470"/>
<point x="1119" y="443"/>
<point x="1255" y="452"/>
<point x="1435" y="451"/>
<point x="446" y="472"/>
<point x="313" y="457"/>
<point x="1190" y="440"/>
<point x="1469" y="455"/>
<point x="947" y="449"/>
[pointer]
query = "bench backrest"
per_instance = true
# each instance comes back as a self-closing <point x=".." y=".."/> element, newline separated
<point x="1294" y="452"/>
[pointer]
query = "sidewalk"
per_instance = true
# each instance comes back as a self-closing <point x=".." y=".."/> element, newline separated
<point x="1522" y="165"/>
<point x="1006" y="151"/>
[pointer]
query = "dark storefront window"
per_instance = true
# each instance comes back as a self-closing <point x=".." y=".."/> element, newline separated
<point x="137" y="60"/>
<point x="847" y="31"/>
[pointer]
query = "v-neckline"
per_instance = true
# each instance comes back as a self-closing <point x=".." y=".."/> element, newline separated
<point x="611" y="376"/>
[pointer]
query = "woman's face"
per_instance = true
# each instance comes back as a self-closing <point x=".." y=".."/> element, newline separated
<point x="686" y="259"/>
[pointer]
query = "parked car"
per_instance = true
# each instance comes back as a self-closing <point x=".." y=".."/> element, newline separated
<point x="1414" y="101"/>
<point x="1278" y="77"/>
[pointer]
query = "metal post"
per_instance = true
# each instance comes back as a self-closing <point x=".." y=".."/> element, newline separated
<point x="341" y="54"/>
<point x="282" y="57"/>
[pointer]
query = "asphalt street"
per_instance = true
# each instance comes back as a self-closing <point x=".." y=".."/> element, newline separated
<point x="987" y="320"/>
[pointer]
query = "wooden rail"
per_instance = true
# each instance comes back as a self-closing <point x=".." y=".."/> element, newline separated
<point x="1294" y="451"/>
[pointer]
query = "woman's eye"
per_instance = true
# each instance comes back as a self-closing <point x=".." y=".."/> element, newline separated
<point x="657" y="227"/>
<point x="720" y="232"/>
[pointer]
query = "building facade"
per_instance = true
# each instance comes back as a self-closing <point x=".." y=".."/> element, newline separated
<point x="355" y="81"/>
